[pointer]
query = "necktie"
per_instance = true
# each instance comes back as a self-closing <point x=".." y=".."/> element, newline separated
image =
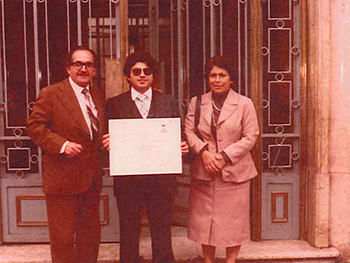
<point x="142" y="106"/>
<point x="94" y="120"/>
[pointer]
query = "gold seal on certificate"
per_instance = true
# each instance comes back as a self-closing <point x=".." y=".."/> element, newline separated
<point x="145" y="146"/>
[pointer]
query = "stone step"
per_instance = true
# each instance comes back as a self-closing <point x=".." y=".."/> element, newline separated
<point x="187" y="251"/>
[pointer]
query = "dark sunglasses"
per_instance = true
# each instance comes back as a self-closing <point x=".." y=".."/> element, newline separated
<point x="80" y="65"/>
<point x="137" y="71"/>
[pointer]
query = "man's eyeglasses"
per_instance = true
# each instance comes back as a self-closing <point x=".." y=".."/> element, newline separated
<point x="137" y="71"/>
<point x="80" y="65"/>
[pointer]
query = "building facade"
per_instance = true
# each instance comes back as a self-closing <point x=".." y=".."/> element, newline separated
<point x="292" y="60"/>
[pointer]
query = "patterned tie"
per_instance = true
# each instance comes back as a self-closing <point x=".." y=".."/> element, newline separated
<point x="94" y="120"/>
<point x="142" y="106"/>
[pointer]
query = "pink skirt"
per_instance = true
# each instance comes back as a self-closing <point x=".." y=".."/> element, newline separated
<point x="219" y="212"/>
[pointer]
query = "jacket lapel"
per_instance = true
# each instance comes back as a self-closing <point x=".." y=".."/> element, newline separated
<point x="229" y="107"/>
<point x="153" y="108"/>
<point x="129" y="108"/>
<point x="206" y="107"/>
<point x="70" y="102"/>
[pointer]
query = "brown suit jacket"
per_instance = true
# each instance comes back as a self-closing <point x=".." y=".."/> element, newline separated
<point x="237" y="131"/>
<point x="56" y="118"/>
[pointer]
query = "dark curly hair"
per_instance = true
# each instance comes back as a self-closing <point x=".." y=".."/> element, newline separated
<point x="221" y="62"/>
<point x="146" y="58"/>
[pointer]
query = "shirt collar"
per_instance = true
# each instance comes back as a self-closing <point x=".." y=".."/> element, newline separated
<point x="135" y="93"/>
<point x="77" y="89"/>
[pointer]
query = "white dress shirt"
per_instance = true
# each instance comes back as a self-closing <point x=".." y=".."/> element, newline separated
<point x="147" y="101"/>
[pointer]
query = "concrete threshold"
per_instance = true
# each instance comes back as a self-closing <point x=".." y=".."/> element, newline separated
<point x="186" y="250"/>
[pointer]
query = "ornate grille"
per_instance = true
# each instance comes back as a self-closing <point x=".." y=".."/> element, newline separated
<point x="183" y="35"/>
<point x="281" y="114"/>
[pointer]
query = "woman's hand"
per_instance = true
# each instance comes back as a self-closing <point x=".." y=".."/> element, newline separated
<point x="105" y="142"/>
<point x="221" y="161"/>
<point x="184" y="148"/>
<point x="213" y="162"/>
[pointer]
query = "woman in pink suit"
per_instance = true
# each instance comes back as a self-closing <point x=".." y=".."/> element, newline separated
<point x="221" y="173"/>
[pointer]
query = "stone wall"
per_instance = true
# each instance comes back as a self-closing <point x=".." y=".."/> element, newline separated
<point x="329" y="136"/>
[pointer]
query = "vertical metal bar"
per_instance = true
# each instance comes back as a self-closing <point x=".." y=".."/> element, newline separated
<point x="296" y="59"/>
<point x="2" y="129"/>
<point x="2" y="106"/>
<point x="36" y="47"/>
<point x="25" y="53"/>
<point x="172" y="47"/>
<point x="162" y="70"/>
<point x="154" y="27"/>
<point x="246" y="47"/>
<point x="68" y="26"/>
<point x="3" y="87"/>
<point x="212" y="30"/>
<point x="79" y="22"/>
<point x="221" y="29"/>
<point x="141" y="23"/>
<point x="4" y="58"/>
<point x="1" y="66"/>
<point x="239" y="47"/>
<point x="188" y="49"/>
<point x="2" y="168"/>
<point x="110" y="31"/>
<point x="303" y="81"/>
<point x="180" y="56"/>
<point x="98" y="40"/>
<point x="47" y="44"/>
<point x="204" y="45"/>
<point x="36" y="63"/>
<point x="90" y="26"/>
<point x="117" y="31"/>
<point x="103" y="46"/>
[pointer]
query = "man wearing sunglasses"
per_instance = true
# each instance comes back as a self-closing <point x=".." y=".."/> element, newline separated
<point x="67" y="123"/>
<point x="156" y="191"/>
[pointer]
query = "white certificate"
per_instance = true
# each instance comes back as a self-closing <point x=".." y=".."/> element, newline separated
<point x="145" y="146"/>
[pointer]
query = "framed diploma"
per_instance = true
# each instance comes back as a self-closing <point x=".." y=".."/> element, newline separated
<point x="145" y="146"/>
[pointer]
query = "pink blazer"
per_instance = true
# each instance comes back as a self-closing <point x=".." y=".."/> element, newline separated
<point x="237" y="131"/>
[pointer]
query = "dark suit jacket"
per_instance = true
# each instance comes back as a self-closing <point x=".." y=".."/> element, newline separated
<point x="162" y="106"/>
<point x="56" y="118"/>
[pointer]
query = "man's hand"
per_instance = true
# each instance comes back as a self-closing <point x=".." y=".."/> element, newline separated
<point x="184" y="148"/>
<point x="73" y="149"/>
<point x="106" y="142"/>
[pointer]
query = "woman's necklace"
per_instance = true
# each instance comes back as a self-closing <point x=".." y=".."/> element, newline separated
<point x="216" y="107"/>
<point x="213" y="117"/>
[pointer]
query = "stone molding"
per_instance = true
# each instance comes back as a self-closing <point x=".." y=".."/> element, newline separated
<point x="339" y="157"/>
<point x="319" y="64"/>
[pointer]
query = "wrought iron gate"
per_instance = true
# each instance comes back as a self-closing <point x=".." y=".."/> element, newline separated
<point x="282" y="106"/>
<point x="36" y="34"/>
